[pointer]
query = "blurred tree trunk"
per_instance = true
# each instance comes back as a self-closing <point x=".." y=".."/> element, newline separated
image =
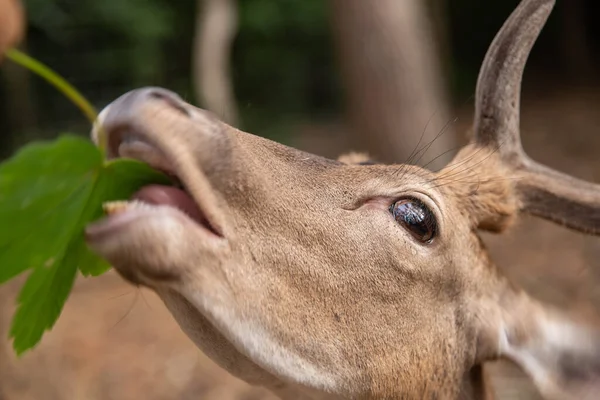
<point x="439" y="18"/>
<point x="395" y="89"/>
<point x="216" y="27"/>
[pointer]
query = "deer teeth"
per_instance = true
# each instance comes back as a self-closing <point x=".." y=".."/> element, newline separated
<point x="114" y="207"/>
<point x="117" y="207"/>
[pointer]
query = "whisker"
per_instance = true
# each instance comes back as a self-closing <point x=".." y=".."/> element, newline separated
<point x="441" y="155"/>
<point x="145" y="301"/>
<point x="120" y="295"/>
<point x="463" y="162"/>
<point x="478" y="181"/>
<point x="444" y="130"/>
<point x="126" y="314"/>
<point x="412" y="154"/>
<point x="428" y="145"/>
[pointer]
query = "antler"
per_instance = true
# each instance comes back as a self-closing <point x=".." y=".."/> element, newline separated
<point x="543" y="191"/>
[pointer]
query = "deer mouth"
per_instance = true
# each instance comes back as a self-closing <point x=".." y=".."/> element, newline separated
<point x="174" y="199"/>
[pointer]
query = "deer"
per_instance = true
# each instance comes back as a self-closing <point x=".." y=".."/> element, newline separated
<point x="350" y="279"/>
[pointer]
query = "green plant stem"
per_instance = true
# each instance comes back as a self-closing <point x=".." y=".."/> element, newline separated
<point x="61" y="84"/>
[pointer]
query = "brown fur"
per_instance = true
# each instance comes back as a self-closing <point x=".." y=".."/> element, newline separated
<point x="354" y="158"/>
<point x="478" y="176"/>
<point x="339" y="301"/>
<point x="309" y="286"/>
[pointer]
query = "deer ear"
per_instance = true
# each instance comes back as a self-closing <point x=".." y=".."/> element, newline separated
<point x="561" y="355"/>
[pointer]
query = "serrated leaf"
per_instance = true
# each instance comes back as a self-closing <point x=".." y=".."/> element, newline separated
<point x="42" y="189"/>
<point x="49" y="191"/>
<point x="42" y="298"/>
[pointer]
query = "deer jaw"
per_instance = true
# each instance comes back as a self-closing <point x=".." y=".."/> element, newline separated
<point x="291" y="272"/>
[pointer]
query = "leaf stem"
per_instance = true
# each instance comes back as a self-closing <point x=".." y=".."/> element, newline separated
<point x="59" y="83"/>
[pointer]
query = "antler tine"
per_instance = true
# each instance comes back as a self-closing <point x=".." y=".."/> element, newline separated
<point x="497" y="98"/>
<point x="560" y="198"/>
<point x="542" y="191"/>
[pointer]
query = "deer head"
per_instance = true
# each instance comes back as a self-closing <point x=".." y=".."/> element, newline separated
<point x="324" y="278"/>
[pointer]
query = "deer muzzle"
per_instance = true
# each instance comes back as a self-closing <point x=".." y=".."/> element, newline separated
<point x="157" y="127"/>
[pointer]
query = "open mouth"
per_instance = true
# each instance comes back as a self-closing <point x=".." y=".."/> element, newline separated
<point x="151" y="198"/>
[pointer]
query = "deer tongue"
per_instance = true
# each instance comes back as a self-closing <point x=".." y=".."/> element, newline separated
<point x="170" y="196"/>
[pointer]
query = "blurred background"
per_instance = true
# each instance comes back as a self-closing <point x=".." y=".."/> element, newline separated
<point x="326" y="76"/>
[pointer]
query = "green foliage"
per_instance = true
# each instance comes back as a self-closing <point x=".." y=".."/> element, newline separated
<point x="49" y="191"/>
<point x="54" y="79"/>
<point x="137" y="26"/>
<point x="284" y="63"/>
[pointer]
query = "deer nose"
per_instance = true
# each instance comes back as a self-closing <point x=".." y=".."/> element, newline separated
<point x="129" y="111"/>
<point x="132" y="100"/>
<point x="170" y="98"/>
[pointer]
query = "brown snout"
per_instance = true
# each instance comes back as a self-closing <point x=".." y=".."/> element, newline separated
<point x="156" y="125"/>
<point x="137" y="97"/>
<point x="127" y="116"/>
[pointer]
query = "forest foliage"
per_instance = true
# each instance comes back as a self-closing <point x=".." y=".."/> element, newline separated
<point x="283" y="63"/>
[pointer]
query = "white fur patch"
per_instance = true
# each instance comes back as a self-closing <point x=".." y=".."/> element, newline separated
<point x="95" y="128"/>
<point x="539" y="357"/>
<point x="252" y="339"/>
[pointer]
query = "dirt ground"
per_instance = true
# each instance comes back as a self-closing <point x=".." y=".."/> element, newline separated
<point x="116" y="342"/>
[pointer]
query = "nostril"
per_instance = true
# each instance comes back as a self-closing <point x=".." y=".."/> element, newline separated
<point x="160" y="93"/>
<point x="170" y="98"/>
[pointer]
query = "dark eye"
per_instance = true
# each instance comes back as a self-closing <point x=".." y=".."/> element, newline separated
<point x="416" y="218"/>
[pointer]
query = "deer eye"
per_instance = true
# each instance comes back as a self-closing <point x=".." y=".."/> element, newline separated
<point x="414" y="216"/>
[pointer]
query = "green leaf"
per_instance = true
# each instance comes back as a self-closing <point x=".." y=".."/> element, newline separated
<point x="49" y="191"/>
<point x="42" y="298"/>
